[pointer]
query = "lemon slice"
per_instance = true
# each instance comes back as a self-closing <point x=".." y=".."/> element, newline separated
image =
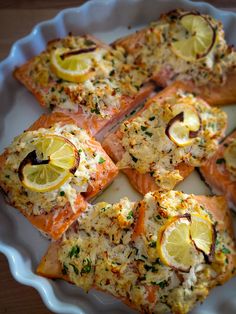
<point x="193" y="38"/>
<point x="184" y="127"/>
<point x="175" y="247"/>
<point x="230" y="157"/>
<point x="71" y="67"/>
<point x="202" y="233"/>
<point x="52" y="163"/>
<point x="190" y="116"/>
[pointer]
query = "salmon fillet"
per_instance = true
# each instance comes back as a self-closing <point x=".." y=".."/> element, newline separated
<point x="112" y="144"/>
<point x="51" y="267"/>
<point x="60" y="218"/>
<point x="217" y="176"/>
<point x="221" y="92"/>
<point x="53" y="92"/>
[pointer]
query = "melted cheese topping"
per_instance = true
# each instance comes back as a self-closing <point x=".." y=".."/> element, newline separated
<point x="36" y="202"/>
<point x="153" y="53"/>
<point x="101" y="94"/>
<point x="101" y="251"/>
<point x="149" y="150"/>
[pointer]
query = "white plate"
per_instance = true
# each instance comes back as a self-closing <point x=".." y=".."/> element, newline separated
<point x="19" y="241"/>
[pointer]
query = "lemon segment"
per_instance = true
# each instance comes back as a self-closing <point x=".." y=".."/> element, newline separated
<point x="194" y="38"/>
<point x="230" y="158"/>
<point x="50" y="165"/>
<point x="175" y="246"/>
<point x="74" y="68"/>
<point x="179" y="134"/>
<point x="44" y="178"/>
<point x="202" y="233"/>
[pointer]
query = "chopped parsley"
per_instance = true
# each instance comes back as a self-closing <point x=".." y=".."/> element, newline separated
<point x="62" y="193"/>
<point x="163" y="284"/>
<point x="74" y="252"/>
<point x="149" y="134"/>
<point x="152" y="118"/>
<point x="64" y="269"/>
<point x="59" y="81"/>
<point x="220" y="161"/>
<point x="7" y="176"/>
<point x="87" y="266"/>
<point x="152" y="244"/>
<point x="150" y="267"/>
<point x="95" y="110"/>
<point x="89" y="42"/>
<point x="130" y="215"/>
<point x="133" y="158"/>
<point x="143" y="128"/>
<point x="101" y="160"/>
<point x="225" y="250"/>
<point x="80" y="150"/>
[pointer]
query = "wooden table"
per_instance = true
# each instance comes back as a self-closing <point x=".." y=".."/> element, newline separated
<point x="17" y="17"/>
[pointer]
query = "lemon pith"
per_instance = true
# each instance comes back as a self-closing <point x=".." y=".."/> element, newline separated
<point x="50" y="165"/>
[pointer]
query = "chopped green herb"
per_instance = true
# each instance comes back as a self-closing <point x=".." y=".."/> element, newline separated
<point x="149" y="134"/>
<point x="87" y="266"/>
<point x="158" y="261"/>
<point x="112" y="72"/>
<point x="152" y="118"/>
<point x="89" y="42"/>
<point x="150" y="267"/>
<point x="143" y="128"/>
<point x="53" y="89"/>
<point x="80" y="150"/>
<point x="101" y="160"/>
<point x="7" y="176"/>
<point x="132" y="112"/>
<point x="225" y="250"/>
<point x="62" y="193"/>
<point x="74" y="251"/>
<point x="95" y="110"/>
<point x="75" y="269"/>
<point x="220" y="161"/>
<point x="163" y="284"/>
<point x="133" y="158"/>
<point x="64" y="269"/>
<point x="158" y="217"/>
<point x="152" y="244"/>
<point x="59" y="81"/>
<point x="130" y="215"/>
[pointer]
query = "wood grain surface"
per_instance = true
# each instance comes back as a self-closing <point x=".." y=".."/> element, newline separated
<point x="17" y="18"/>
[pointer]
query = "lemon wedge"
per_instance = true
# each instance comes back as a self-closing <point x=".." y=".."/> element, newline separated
<point x="69" y="66"/>
<point x="202" y="233"/>
<point x="51" y="164"/>
<point x="184" y="127"/>
<point x="193" y="38"/>
<point x="230" y="157"/>
<point x="175" y="247"/>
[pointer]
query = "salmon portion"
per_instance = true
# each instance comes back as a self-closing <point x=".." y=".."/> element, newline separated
<point x="60" y="218"/>
<point x="143" y="183"/>
<point x="222" y="93"/>
<point x="217" y="176"/>
<point x="94" y="123"/>
<point x="51" y="267"/>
